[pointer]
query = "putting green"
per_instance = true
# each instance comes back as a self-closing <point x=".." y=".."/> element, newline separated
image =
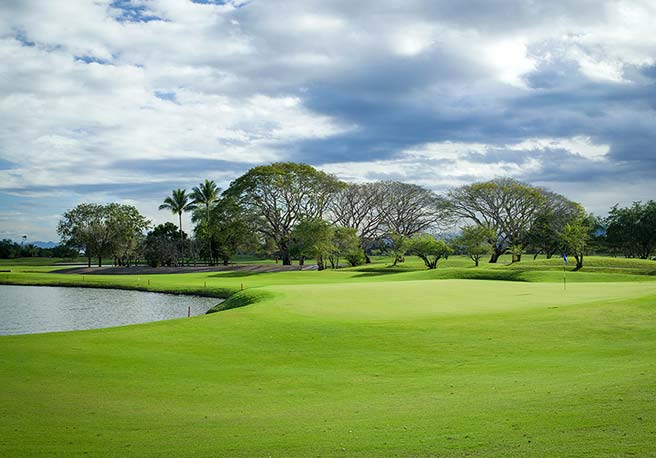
<point x="374" y="368"/>
<point x="433" y="298"/>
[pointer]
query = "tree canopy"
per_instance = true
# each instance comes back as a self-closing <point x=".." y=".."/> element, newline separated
<point x="506" y="205"/>
<point x="277" y="197"/>
<point x="103" y="230"/>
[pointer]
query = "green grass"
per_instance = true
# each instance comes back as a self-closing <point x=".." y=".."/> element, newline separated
<point x="36" y="261"/>
<point x="348" y="363"/>
<point x="44" y="261"/>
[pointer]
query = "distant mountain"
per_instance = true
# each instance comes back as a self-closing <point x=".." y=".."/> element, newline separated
<point x="42" y="244"/>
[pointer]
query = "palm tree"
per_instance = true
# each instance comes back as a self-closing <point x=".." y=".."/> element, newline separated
<point x="179" y="201"/>
<point x="206" y="194"/>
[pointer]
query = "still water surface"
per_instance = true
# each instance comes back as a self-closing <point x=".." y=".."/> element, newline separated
<point x="31" y="309"/>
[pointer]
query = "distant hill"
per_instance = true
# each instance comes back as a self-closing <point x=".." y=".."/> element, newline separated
<point x="42" y="244"/>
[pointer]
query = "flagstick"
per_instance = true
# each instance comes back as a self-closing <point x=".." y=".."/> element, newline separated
<point x="564" y="276"/>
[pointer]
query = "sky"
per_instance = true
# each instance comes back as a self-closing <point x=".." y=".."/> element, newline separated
<point x="123" y="101"/>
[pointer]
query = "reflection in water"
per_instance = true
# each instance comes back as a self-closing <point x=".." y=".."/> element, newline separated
<point x="31" y="309"/>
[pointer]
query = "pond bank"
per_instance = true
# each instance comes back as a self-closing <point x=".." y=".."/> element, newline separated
<point x="37" y="309"/>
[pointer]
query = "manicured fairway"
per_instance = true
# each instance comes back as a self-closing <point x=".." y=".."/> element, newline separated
<point x="353" y="366"/>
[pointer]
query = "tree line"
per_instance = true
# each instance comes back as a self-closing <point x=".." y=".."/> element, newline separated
<point x="10" y="250"/>
<point x="293" y="211"/>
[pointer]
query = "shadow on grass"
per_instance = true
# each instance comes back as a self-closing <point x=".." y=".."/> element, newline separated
<point x="374" y="273"/>
<point x="480" y="274"/>
<point x="236" y="274"/>
<point x="240" y="299"/>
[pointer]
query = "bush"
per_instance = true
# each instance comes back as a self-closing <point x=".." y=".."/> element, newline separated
<point x="356" y="258"/>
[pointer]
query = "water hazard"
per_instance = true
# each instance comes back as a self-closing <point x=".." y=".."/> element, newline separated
<point x="33" y="309"/>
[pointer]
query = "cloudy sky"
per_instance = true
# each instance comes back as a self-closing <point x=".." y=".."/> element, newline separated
<point x="125" y="100"/>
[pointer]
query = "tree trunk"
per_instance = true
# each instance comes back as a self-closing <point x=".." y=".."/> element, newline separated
<point x="286" y="260"/>
<point x="495" y="255"/>
<point x="181" y="241"/>
<point x="89" y="261"/>
<point x="301" y="260"/>
<point x="579" y="261"/>
<point x="367" y="259"/>
<point x="209" y="239"/>
<point x="476" y="262"/>
<point x="226" y="261"/>
<point x="99" y="261"/>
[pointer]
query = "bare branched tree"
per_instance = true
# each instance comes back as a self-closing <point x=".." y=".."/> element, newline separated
<point x="506" y="205"/>
<point x="411" y="209"/>
<point x="362" y="207"/>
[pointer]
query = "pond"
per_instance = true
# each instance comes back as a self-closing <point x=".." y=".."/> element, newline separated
<point x="32" y="309"/>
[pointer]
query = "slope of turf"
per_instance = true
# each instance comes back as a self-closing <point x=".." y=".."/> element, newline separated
<point x="357" y="366"/>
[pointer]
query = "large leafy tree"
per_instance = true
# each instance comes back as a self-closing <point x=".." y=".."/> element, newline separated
<point x="506" y="205"/>
<point x="345" y="244"/>
<point x="85" y="227"/>
<point x="550" y="221"/>
<point x="127" y="227"/>
<point x="312" y="238"/>
<point x="632" y="230"/>
<point x="161" y="246"/>
<point x="101" y="230"/>
<point x="278" y="196"/>
<point x="178" y="203"/>
<point x="229" y="230"/>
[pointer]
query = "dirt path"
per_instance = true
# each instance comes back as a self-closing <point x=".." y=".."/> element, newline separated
<point x="144" y="270"/>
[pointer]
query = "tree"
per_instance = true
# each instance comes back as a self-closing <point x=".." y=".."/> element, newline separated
<point x="127" y="228"/>
<point x="429" y="249"/>
<point x="161" y="246"/>
<point x="506" y="205"/>
<point x="575" y="237"/>
<point x="167" y="230"/>
<point x="9" y="249"/>
<point x="278" y="196"/>
<point x="229" y="230"/>
<point x="398" y="245"/>
<point x="474" y="241"/>
<point x="363" y="207"/>
<point x="411" y="209"/>
<point x="177" y="203"/>
<point x="205" y="195"/>
<point x="633" y="229"/>
<point x="312" y="238"/>
<point x="101" y="230"/>
<point x="345" y="244"/>
<point x="549" y="223"/>
<point x="84" y="227"/>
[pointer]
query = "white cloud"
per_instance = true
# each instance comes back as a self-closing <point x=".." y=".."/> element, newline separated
<point x="510" y="61"/>
<point x="580" y="146"/>
<point x="437" y="166"/>
<point x="61" y="116"/>
<point x="248" y="85"/>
